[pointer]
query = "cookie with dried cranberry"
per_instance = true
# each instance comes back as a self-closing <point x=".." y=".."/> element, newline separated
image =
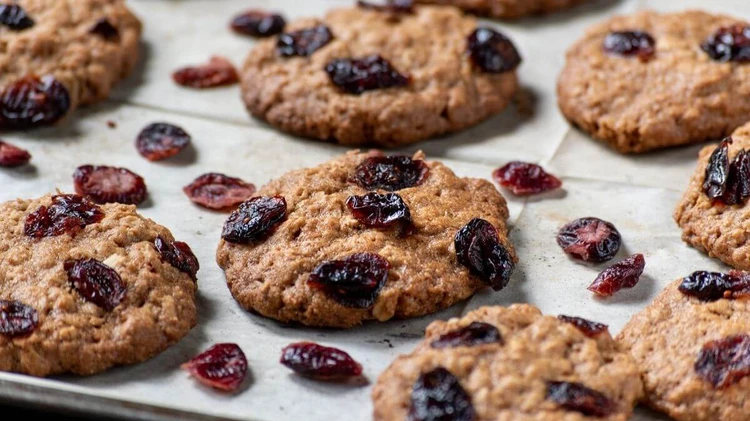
<point x="366" y="237"/>
<point x="513" y="363"/>
<point x="693" y="349"/>
<point x="692" y="74"/>
<point x="61" y="54"/>
<point x="370" y="76"/>
<point x="85" y="287"/>
<point x="508" y="9"/>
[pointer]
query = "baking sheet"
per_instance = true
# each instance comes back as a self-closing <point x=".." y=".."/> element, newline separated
<point x="638" y="194"/>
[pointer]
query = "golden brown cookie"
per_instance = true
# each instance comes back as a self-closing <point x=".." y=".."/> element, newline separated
<point x="508" y="9"/>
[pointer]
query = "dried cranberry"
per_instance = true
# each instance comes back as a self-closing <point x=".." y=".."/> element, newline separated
<point x="17" y="319"/>
<point x="304" y="42"/>
<point x="389" y="6"/>
<point x="14" y="17"/>
<point x="67" y="214"/>
<point x="727" y="182"/>
<point x="258" y="23"/>
<point x="717" y="171"/>
<point x="579" y="398"/>
<point x="590" y="239"/>
<point x="32" y="102"/>
<point x="105" y="184"/>
<point x="105" y="29"/>
<point x="390" y="173"/>
<point x="477" y="333"/>
<point x="218" y="191"/>
<point x="254" y="219"/>
<point x="724" y="362"/>
<point x="589" y="328"/>
<point x="492" y="51"/>
<point x="713" y="286"/>
<point x="729" y="44"/>
<point x="159" y="141"/>
<point x="354" y="281"/>
<point x="319" y="362"/>
<point x="738" y="181"/>
<point x="96" y="282"/>
<point x="479" y="249"/>
<point x="630" y="43"/>
<point x="624" y="274"/>
<point x="524" y="179"/>
<point x="367" y="74"/>
<point x="179" y="255"/>
<point x="13" y="156"/>
<point x="223" y="367"/>
<point x="217" y="72"/>
<point x="381" y="210"/>
<point x="438" y="396"/>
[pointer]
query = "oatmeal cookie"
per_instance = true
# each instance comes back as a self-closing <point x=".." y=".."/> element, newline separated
<point x="508" y="9"/>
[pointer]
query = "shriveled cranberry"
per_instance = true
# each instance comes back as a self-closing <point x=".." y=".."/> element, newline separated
<point x="159" y="141"/>
<point x="96" y="282"/>
<point x="727" y="182"/>
<point x="713" y="286"/>
<point x="525" y="179"/>
<point x="492" y="51"/>
<point x="354" y="281"/>
<point x="17" y="318"/>
<point x="579" y="398"/>
<point x="630" y="43"/>
<point x="179" y="255"/>
<point x="624" y="274"/>
<point x="438" y="396"/>
<point x="724" y="362"/>
<point x="717" y="171"/>
<point x="254" y="219"/>
<point x="356" y="76"/>
<point x="738" y="181"/>
<point x="67" y="214"/>
<point x="303" y="42"/>
<point x="105" y="184"/>
<point x="33" y="102"/>
<point x="589" y="328"/>
<point x="389" y="6"/>
<point x="479" y="249"/>
<point x="729" y="44"/>
<point x="218" y="191"/>
<point x="217" y="72"/>
<point x="105" y="29"/>
<point x="13" y="156"/>
<point x="222" y="366"/>
<point x="390" y="173"/>
<point x="258" y="23"/>
<point x="477" y="333"/>
<point x="590" y="239"/>
<point x="14" y="17"/>
<point x="319" y="362"/>
<point x="381" y="210"/>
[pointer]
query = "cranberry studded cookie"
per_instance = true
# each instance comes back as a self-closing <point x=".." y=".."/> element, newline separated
<point x="650" y="80"/>
<point x="508" y="9"/>
<point x="60" y="54"/>
<point x="511" y="363"/>
<point x="84" y="287"/>
<point x="365" y="237"/>
<point x="692" y="345"/>
<point x="380" y="75"/>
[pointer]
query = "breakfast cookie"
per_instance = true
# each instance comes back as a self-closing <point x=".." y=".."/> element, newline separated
<point x="84" y="287"/>
<point x="650" y="80"/>
<point x="388" y="77"/>
<point x="363" y="237"/>
<point x="508" y="9"/>
<point x="59" y="54"/>
<point x="693" y="349"/>
<point x="510" y="363"/>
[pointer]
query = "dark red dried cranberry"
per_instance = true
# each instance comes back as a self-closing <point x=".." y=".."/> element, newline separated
<point x="438" y="396"/>
<point x="254" y="219"/>
<point x="159" y="141"/>
<point x="105" y="29"/>
<point x="96" y="282"/>
<point x="67" y="214"/>
<point x="630" y="43"/>
<point x="304" y="42"/>
<point x="727" y="182"/>
<point x="389" y="6"/>
<point x="479" y="249"/>
<point x="492" y="51"/>
<point x="258" y="23"/>
<point x="738" y="182"/>
<point x="13" y="156"/>
<point x="525" y="179"/>
<point x="624" y="274"/>
<point x="381" y="211"/>
<point x="724" y="362"/>
<point x="717" y="171"/>
<point x="477" y="333"/>
<point x="217" y="72"/>
<point x="366" y="74"/>
<point x="579" y="398"/>
<point x="14" y="17"/>
<point x="319" y="362"/>
<point x="179" y="255"/>
<point x="33" y="102"/>
<point x="17" y="319"/>
<point x="713" y="286"/>
<point x="590" y="239"/>
<point x="218" y="191"/>
<point x="105" y="184"/>
<point x="354" y="281"/>
<point x="589" y="328"/>
<point x="729" y="44"/>
<point x="390" y="173"/>
<point x="223" y="367"/>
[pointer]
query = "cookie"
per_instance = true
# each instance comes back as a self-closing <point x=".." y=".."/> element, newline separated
<point x="365" y="237"/>
<point x="510" y="363"/>
<point x="508" y="9"/>
<point x="86" y="287"/>
<point x="684" y="347"/>
<point x="686" y="91"/>
<point x="61" y="54"/>
<point x="366" y="76"/>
